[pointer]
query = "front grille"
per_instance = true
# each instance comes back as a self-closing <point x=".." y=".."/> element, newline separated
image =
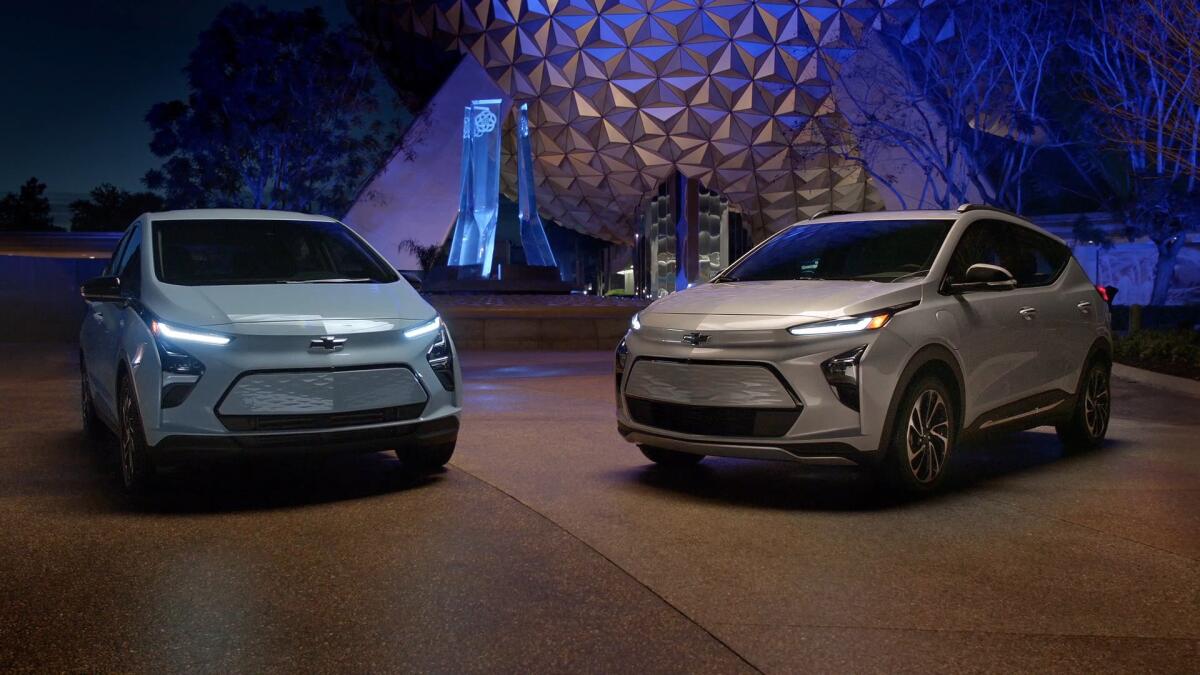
<point x="323" y="391"/>
<point x="320" y="420"/>
<point x="708" y="384"/>
<point x="712" y="421"/>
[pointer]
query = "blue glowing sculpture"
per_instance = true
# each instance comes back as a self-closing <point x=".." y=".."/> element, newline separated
<point x="533" y="234"/>
<point x="479" y="202"/>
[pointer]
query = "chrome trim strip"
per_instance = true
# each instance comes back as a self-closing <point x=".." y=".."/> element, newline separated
<point x="1027" y="413"/>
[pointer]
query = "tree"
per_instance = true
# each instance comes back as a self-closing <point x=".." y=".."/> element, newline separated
<point x="111" y="209"/>
<point x="28" y="210"/>
<point x="426" y="255"/>
<point x="1142" y="83"/>
<point x="282" y="114"/>
<point x="961" y="94"/>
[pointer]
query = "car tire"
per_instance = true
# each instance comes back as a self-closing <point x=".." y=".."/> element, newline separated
<point x="924" y="436"/>
<point x="426" y="458"/>
<point x="137" y="470"/>
<point x="94" y="430"/>
<point x="670" y="458"/>
<point x="1088" y="424"/>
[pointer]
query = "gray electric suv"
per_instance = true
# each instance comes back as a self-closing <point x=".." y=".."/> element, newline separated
<point x="880" y="340"/>
<point x="218" y="332"/>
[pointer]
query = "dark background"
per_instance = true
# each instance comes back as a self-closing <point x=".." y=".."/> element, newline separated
<point x="78" y="77"/>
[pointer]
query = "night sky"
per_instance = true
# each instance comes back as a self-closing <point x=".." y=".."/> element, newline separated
<point x="76" y="80"/>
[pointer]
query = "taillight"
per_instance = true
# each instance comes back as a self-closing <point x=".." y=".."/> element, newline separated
<point x="1107" y="293"/>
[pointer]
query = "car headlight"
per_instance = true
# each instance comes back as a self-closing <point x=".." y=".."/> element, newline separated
<point x="634" y="323"/>
<point x="441" y="359"/>
<point x="849" y="324"/>
<point x="424" y="328"/>
<point x="180" y="370"/>
<point x="842" y="373"/>
<point x="177" y="334"/>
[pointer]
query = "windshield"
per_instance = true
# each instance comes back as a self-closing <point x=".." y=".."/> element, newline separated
<point x="222" y="252"/>
<point x="870" y="250"/>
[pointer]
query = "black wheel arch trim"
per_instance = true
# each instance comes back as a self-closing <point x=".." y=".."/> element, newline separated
<point x="932" y="353"/>
<point x="1101" y="347"/>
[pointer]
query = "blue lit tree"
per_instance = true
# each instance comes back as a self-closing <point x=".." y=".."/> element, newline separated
<point x="282" y="114"/>
<point x="1142" y="83"/>
<point x="963" y="93"/>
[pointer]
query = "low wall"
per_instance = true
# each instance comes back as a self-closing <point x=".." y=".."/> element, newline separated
<point x="39" y="297"/>
<point x="521" y="323"/>
<point x="39" y="302"/>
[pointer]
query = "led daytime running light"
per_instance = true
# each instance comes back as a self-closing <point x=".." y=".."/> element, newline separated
<point x="181" y="335"/>
<point x="424" y="328"/>
<point x="847" y="325"/>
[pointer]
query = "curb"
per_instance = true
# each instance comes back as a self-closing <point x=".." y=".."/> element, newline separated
<point x="1178" y="385"/>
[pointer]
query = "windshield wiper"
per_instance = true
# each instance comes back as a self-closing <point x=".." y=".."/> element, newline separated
<point x="910" y="274"/>
<point x="722" y="280"/>
<point x="326" y="281"/>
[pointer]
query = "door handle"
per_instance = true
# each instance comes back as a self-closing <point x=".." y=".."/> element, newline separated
<point x="1084" y="307"/>
<point x="1028" y="313"/>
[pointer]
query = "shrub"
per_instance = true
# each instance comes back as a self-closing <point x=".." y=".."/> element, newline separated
<point x="1174" y="352"/>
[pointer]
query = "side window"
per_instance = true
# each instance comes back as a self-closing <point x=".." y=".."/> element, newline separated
<point x="111" y="268"/>
<point x="120" y="264"/>
<point x="1032" y="259"/>
<point x="1037" y="260"/>
<point x="983" y="242"/>
<point x="131" y="269"/>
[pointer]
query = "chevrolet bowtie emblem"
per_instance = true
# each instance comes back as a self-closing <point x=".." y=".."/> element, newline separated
<point x="695" y="339"/>
<point x="328" y="342"/>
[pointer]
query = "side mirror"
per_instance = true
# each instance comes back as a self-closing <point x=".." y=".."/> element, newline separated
<point x="984" y="277"/>
<point x="102" y="289"/>
<point x="412" y="278"/>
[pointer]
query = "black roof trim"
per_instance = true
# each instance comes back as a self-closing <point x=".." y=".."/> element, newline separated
<point x="831" y="212"/>
<point x="967" y="208"/>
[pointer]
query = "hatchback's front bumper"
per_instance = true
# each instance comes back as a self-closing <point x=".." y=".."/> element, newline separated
<point x="270" y="390"/>
<point x="182" y="448"/>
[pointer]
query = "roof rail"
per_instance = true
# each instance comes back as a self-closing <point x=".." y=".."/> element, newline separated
<point x="967" y="208"/>
<point x="831" y="212"/>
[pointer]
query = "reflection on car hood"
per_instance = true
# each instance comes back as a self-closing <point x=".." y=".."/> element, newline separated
<point x="218" y="305"/>
<point x="818" y="299"/>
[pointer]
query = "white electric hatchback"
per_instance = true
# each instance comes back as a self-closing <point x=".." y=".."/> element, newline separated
<point x="218" y="332"/>
<point x="879" y="339"/>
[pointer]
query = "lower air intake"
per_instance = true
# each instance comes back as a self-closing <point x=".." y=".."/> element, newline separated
<point x="712" y="421"/>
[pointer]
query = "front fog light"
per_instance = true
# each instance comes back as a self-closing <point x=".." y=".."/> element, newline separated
<point x="441" y="360"/>
<point x="841" y="372"/>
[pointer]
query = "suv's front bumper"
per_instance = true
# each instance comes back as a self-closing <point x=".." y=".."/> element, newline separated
<point x="823" y="430"/>
<point x="832" y="453"/>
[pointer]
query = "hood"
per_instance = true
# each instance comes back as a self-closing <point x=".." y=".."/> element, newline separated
<point x="219" y="305"/>
<point x="817" y="299"/>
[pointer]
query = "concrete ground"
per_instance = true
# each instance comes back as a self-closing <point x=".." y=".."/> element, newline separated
<point x="551" y="545"/>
